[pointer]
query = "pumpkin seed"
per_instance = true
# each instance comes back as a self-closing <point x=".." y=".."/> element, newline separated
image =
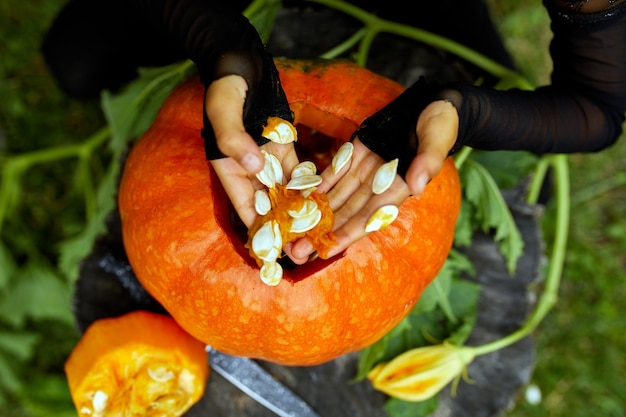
<point x="271" y="273"/>
<point x="307" y="208"/>
<point x="262" y="203"/>
<point x="307" y="192"/>
<point x="381" y="218"/>
<point x="99" y="401"/>
<point x="304" y="168"/>
<point x="160" y="374"/>
<point x="384" y="176"/>
<point x="342" y="157"/>
<point x="304" y="182"/>
<point x="280" y="131"/>
<point x="306" y="223"/>
<point x="267" y="242"/>
<point x="272" y="172"/>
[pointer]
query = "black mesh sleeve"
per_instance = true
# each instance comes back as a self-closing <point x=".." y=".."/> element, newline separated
<point x="221" y="41"/>
<point x="581" y="111"/>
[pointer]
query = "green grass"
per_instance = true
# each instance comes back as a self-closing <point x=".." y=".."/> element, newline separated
<point x="581" y="344"/>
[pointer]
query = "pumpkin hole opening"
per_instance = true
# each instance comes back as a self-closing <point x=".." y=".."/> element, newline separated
<point x="315" y="146"/>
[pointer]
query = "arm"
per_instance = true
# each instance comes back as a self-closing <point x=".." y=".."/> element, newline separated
<point x="581" y="111"/>
<point x="222" y="42"/>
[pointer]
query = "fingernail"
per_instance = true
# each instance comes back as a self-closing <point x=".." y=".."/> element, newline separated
<point x="420" y="184"/>
<point x="251" y="163"/>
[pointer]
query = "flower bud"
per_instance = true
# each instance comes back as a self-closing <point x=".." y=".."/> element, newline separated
<point x="418" y="374"/>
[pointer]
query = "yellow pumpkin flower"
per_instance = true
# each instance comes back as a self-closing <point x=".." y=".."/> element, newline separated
<point x="418" y="374"/>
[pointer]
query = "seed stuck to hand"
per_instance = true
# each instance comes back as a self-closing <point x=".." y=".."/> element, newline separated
<point x="279" y="130"/>
<point x="262" y="203"/>
<point x="307" y="208"/>
<point x="305" y="223"/>
<point x="288" y="212"/>
<point x="384" y="176"/>
<point x="272" y="172"/>
<point x="342" y="157"/>
<point x="304" y="181"/>
<point x="304" y="168"/>
<point x="381" y="218"/>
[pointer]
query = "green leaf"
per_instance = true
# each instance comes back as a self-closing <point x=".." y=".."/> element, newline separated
<point x="36" y="293"/>
<point x="133" y="110"/>
<point x="48" y="395"/>
<point x="399" y="408"/>
<point x="18" y="345"/>
<point x="507" y="168"/>
<point x="73" y="250"/>
<point x="491" y="211"/>
<point x="465" y="228"/>
<point x="436" y="294"/>
<point x="9" y="379"/>
<point x="262" y="15"/>
<point x="7" y="266"/>
<point x="464" y="301"/>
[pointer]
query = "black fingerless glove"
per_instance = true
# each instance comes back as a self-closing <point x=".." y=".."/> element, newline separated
<point x="264" y="98"/>
<point x="390" y="132"/>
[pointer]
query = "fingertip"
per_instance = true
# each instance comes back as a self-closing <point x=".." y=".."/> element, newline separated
<point x="296" y="258"/>
<point x="252" y="162"/>
<point x="417" y="186"/>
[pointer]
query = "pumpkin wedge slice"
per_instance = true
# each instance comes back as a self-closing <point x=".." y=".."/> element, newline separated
<point x="137" y="364"/>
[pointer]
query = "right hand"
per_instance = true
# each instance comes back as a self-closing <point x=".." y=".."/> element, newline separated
<point x="224" y="102"/>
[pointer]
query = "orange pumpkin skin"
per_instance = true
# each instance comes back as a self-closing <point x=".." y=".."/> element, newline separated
<point x="183" y="248"/>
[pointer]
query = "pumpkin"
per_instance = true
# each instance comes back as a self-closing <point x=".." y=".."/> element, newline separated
<point x="140" y="363"/>
<point x="189" y="253"/>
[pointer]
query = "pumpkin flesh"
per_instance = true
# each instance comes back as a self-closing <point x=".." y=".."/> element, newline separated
<point x="138" y="364"/>
<point x="185" y="250"/>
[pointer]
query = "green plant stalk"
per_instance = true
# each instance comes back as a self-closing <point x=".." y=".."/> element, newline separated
<point x="548" y="298"/>
<point x="16" y="165"/>
<point x="375" y="25"/>
<point x="538" y="179"/>
<point x="345" y="45"/>
<point x="255" y="7"/>
<point x="461" y="156"/>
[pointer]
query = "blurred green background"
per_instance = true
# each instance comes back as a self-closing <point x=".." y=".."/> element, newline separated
<point x="581" y="344"/>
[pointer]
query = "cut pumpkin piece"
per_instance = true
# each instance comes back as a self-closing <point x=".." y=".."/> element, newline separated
<point x="137" y="364"/>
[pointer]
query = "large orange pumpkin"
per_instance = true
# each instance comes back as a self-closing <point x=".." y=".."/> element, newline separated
<point x="185" y="248"/>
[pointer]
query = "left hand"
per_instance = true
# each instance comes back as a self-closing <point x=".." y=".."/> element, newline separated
<point x="350" y="191"/>
<point x="352" y="200"/>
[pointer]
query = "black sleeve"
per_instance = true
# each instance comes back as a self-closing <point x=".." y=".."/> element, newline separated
<point x="103" y="41"/>
<point x="581" y="111"/>
<point x="583" y="108"/>
<point x="221" y="41"/>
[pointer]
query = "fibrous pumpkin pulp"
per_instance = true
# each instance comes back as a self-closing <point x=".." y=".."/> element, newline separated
<point x="137" y="364"/>
<point x="185" y="248"/>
